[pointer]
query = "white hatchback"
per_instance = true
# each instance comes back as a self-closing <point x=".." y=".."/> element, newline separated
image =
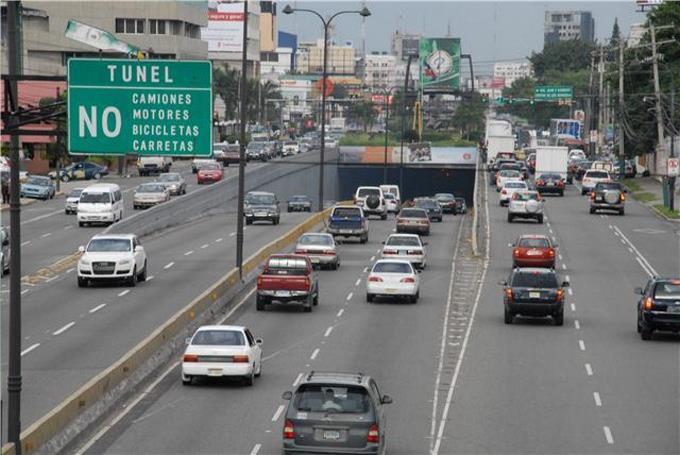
<point x="222" y="351"/>
<point x="510" y="188"/>
<point x="393" y="278"/>
<point x="407" y="247"/>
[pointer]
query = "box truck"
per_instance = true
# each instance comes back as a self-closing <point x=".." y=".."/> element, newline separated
<point x="552" y="160"/>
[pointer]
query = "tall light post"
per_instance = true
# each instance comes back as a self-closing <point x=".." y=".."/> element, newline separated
<point x="243" y="109"/>
<point x="364" y="12"/>
<point x="387" y="93"/>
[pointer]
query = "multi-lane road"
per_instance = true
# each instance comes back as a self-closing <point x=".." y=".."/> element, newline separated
<point x="591" y="386"/>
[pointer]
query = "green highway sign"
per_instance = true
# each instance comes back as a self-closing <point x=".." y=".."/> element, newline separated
<point x="552" y="92"/>
<point x="142" y="107"/>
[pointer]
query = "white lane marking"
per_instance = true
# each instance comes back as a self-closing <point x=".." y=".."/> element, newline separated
<point x="608" y="435"/>
<point x="298" y="379"/>
<point x="64" y="329"/>
<point x="42" y="217"/>
<point x="219" y="240"/>
<point x="365" y="269"/>
<point x="581" y="345"/>
<point x="47" y="234"/>
<point x="68" y="227"/>
<point x="350" y="295"/>
<point x="231" y="234"/>
<point x="551" y="231"/>
<point x="149" y="278"/>
<point x="616" y="233"/>
<point x="623" y="241"/>
<point x="564" y="266"/>
<point x="278" y="413"/>
<point x="644" y="267"/>
<point x="372" y="258"/>
<point x="630" y="249"/>
<point x="358" y="282"/>
<point x="577" y="325"/>
<point x="204" y="246"/>
<point x="314" y="354"/>
<point x="547" y="224"/>
<point x="70" y="270"/>
<point x="29" y="349"/>
<point x="52" y="278"/>
<point x="570" y="291"/>
<point x="567" y="277"/>
<point x="122" y="293"/>
<point x="168" y="265"/>
<point x="573" y="307"/>
<point x="328" y="331"/>
<point x="598" y="400"/>
<point x="651" y="269"/>
<point x="378" y="251"/>
<point x="436" y="443"/>
<point x="97" y="308"/>
<point x="24" y="291"/>
<point x="189" y="253"/>
<point x="554" y="239"/>
<point x="611" y="227"/>
<point x="256" y="449"/>
<point x="559" y="256"/>
<point x="589" y="369"/>
<point x="342" y="310"/>
<point x="27" y="242"/>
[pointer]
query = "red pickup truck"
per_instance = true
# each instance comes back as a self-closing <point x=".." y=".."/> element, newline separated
<point x="288" y="278"/>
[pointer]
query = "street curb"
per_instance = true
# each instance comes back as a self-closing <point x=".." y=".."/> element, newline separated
<point x="656" y="212"/>
<point x="68" y="420"/>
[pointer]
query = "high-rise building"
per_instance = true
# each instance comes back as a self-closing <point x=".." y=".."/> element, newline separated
<point x="379" y="71"/>
<point x="163" y="29"/>
<point x="341" y="58"/>
<point x="568" y="25"/>
<point x="509" y="72"/>
<point x="402" y="44"/>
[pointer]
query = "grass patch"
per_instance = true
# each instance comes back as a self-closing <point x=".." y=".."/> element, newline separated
<point x="673" y="214"/>
<point x="645" y="197"/>
<point x="632" y="185"/>
<point x="377" y="140"/>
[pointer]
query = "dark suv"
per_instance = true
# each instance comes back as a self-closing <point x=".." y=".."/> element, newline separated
<point x="608" y="196"/>
<point x="659" y="307"/>
<point x="431" y="206"/>
<point x="335" y="413"/>
<point x="534" y="292"/>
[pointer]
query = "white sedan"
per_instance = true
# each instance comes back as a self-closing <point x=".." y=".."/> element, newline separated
<point x="320" y="248"/>
<point x="510" y="188"/>
<point x="506" y="175"/>
<point x="393" y="278"/>
<point x="222" y="351"/>
<point x="407" y="247"/>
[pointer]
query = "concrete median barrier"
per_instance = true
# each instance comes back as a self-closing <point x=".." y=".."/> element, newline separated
<point x="77" y="413"/>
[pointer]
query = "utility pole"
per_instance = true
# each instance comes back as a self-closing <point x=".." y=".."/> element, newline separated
<point x="657" y="95"/>
<point x="607" y="109"/>
<point x="589" y="105"/>
<point x="672" y="179"/>
<point x="14" y="60"/>
<point x="600" y="101"/>
<point x="242" y="144"/>
<point x="622" y="155"/>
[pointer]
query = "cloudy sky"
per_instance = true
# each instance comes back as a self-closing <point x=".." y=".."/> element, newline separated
<point x="500" y="30"/>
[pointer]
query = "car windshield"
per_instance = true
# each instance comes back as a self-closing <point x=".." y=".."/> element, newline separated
<point x="527" y="196"/>
<point x="316" y="239"/>
<point x="597" y="175"/>
<point x="389" y="196"/>
<point x="290" y="143"/>
<point x="286" y="266"/>
<point x="75" y="193"/>
<point x="38" y="181"/>
<point x="510" y="167"/>
<point x="332" y="399"/>
<point x="392" y="267"/>
<point x="95" y="198"/>
<point x="218" y="338"/>
<point x="516" y="185"/>
<point x="403" y="241"/>
<point x="534" y="243"/>
<point x="427" y="203"/>
<point x="256" y="146"/>
<point x="608" y="186"/>
<point x="534" y="280"/>
<point x="109" y="245"/>
<point x="346" y="212"/>
<point x="667" y="290"/>
<point x="444" y="196"/>
<point x="365" y="192"/>
<point x="299" y="199"/>
<point x="509" y="173"/>
<point x="168" y="178"/>
<point x="550" y="177"/>
<point x="150" y="188"/>
<point x="260" y="199"/>
<point x="412" y="213"/>
<point x="210" y="167"/>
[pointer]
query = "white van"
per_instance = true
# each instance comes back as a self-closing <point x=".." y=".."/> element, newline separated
<point x="394" y="189"/>
<point x="100" y="203"/>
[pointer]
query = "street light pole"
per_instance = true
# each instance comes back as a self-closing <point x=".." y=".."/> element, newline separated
<point x="364" y="12"/>
<point x="242" y="145"/>
<point x="403" y="124"/>
<point x="387" y="119"/>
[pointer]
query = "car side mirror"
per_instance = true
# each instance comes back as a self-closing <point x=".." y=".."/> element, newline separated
<point x="139" y="249"/>
<point x="638" y="291"/>
<point x="556" y="245"/>
<point x="5" y="242"/>
<point x="424" y="243"/>
<point x="625" y="190"/>
<point x="187" y="341"/>
<point x="383" y="242"/>
<point x="503" y="283"/>
<point x="565" y="284"/>
<point x="386" y="399"/>
<point x="511" y="245"/>
<point x="258" y="340"/>
<point x="419" y="270"/>
<point x="287" y="395"/>
<point x="81" y="249"/>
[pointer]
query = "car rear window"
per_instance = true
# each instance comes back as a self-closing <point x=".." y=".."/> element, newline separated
<point x="411" y="213"/>
<point x="667" y="290"/>
<point x="332" y="398"/>
<point x="346" y="212"/>
<point x="286" y="266"/>
<point x="389" y="196"/>
<point x="608" y="186"/>
<point x="365" y="192"/>
<point x="218" y="338"/>
<point x="392" y="267"/>
<point x="550" y="177"/>
<point x="260" y="199"/>
<point x="516" y="185"/>
<point x="427" y="203"/>
<point x="534" y="243"/>
<point x="527" y="196"/>
<point x="444" y="196"/>
<point x="597" y="174"/>
<point x="402" y="241"/>
<point x="316" y="239"/>
<point x="534" y="280"/>
<point x="150" y="188"/>
<point x="509" y="173"/>
<point x="299" y="199"/>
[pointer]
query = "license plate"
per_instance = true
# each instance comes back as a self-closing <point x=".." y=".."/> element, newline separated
<point x="345" y="231"/>
<point x="390" y="291"/>
<point x="261" y="214"/>
<point x="534" y="295"/>
<point x="282" y="293"/>
<point x="215" y="372"/>
<point x="314" y="260"/>
<point x="550" y="184"/>
<point x="332" y="435"/>
<point x="533" y="253"/>
<point x="673" y="309"/>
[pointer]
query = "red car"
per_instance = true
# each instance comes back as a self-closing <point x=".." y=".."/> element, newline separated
<point x="533" y="251"/>
<point x="210" y="173"/>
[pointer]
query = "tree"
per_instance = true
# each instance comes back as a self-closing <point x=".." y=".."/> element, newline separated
<point x="226" y="82"/>
<point x="561" y="56"/>
<point x="363" y="112"/>
<point x="469" y="117"/>
<point x="616" y="34"/>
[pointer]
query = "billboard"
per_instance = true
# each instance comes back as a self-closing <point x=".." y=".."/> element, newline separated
<point x="224" y="32"/>
<point x="409" y="46"/>
<point x="440" y="64"/>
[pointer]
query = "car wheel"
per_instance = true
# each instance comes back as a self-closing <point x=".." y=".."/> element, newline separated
<point x="249" y="221"/>
<point x="187" y="380"/>
<point x="249" y="380"/>
<point x="369" y="298"/>
<point x="646" y="333"/>
<point x="97" y="176"/>
<point x="500" y="203"/>
<point x="315" y="301"/>
<point x="82" y="282"/>
<point x="277" y="220"/>
<point x="260" y="302"/>
<point x="307" y="308"/>
<point x="81" y="224"/>
<point x="288" y="210"/>
<point x="510" y="218"/>
<point x="622" y="212"/>
<point x="508" y="316"/>
<point x="363" y="239"/>
<point x="583" y="192"/>
<point x="414" y="299"/>
<point x="559" y="317"/>
<point x="639" y="326"/>
<point x="132" y="281"/>
<point x="65" y="178"/>
<point x="66" y="212"/>
<point x="259" y="369"/>
<point x="592" y="210"/>
<point x="383" y="216"/>
<point x="142" y="276"/>
<point x="561" y="193"/>
<point x="540" y="219"/>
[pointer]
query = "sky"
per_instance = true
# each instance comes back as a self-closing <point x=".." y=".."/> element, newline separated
<point x="490" y="31"/>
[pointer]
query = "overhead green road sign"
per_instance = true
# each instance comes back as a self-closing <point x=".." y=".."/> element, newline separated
<point x="144" y="107"/>
<point x="553" y="92"/>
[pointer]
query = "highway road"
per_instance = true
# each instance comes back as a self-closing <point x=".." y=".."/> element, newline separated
<point x="591" y="386"/>
<point x="394" y="342"/>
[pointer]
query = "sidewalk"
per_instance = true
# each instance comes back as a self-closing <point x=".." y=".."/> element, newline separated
<point x="648" y="191"/>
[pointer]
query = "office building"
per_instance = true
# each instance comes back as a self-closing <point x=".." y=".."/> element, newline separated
<point x="568" y="25"/>
<point x="341" y="58"/>
<point x="379" y="71"/>
<point x="509" y="72"/>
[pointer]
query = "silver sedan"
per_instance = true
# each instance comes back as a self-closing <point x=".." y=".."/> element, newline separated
<point x="407" y="247"/>
<point x="150" y="194"/>
<point x="320" y="248"/>
<point x="174" y="182"/>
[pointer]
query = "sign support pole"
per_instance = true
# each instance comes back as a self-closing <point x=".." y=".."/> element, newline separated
<point x="242" y="145"/>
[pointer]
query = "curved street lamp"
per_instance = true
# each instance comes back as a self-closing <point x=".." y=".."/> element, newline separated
<point x="364" y="12"/>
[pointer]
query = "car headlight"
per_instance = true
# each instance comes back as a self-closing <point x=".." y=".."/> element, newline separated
<point x="124" y="262"/>
<point x="85" y="262"/>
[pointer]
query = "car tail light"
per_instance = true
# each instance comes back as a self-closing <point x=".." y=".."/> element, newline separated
<point x="373" y="434"/>
<point x="390" y="252"/>
<point x="408" y="279"/>
<point x="592" y="195"/>
<point x="375" y="279"/>
<point x="288" y="430"/>
<point x="190" y="358"/>
<point x="648" y="304"/>
<point x="560" y="295"/>
<point x="560" y="183"/>
<point x="516" y="252"/>
<point x="508" y="293"/>
<point x="515" y="196"/>
<point x="240" y="359"/>
<point x="540" y="182"/>
<point x="259" y="281"/>
<point x="504" y="192"/>
<point x="307" y="281"/>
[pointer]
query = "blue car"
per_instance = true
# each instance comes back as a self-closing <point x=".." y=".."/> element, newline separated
<point x="82" y="171"/>
<point x="38" y="187"/>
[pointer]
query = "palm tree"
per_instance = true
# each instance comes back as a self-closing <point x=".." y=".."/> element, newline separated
<point x="364" y="113"/>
